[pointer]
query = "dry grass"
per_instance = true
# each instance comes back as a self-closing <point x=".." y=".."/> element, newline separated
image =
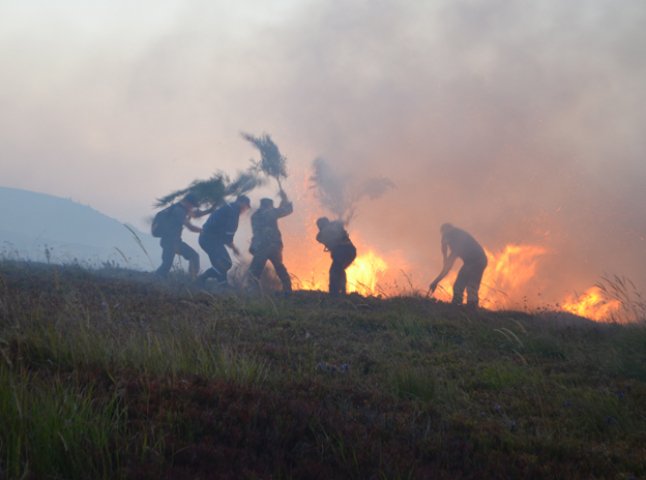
<point x="130" y="378"/>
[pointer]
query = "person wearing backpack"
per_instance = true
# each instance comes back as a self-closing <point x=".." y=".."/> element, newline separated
<point x="168" y="225"/>
<point x="343" y="252"/>
<point x="217" y="234"/>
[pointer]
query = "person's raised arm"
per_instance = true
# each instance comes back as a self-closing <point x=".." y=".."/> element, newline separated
<point x="286" y="207"/>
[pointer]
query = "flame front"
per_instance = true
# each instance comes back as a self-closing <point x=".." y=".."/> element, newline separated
<point x="505" y="278"/>
<point x="310" y="265"/>
<point x="363" y="275"/>
<point x="365" y="272"/>
<point x="592" y="304"/>
<point x="513" y="268"/>
<point x="511" y="281"/>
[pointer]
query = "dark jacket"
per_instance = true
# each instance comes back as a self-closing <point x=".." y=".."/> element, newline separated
<point x="333" y="235"/>
<point x="264" y="225"/>
<point x="223" y="223"/>
<point x="175" y="222"/>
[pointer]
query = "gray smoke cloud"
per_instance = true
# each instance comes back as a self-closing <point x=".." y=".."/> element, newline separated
<point x="521" y="122"/>
<point x="517" y="121"/>
<point x="340" y="193"/>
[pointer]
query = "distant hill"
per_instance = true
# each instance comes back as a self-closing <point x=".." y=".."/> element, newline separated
<point x="32" y="224"/>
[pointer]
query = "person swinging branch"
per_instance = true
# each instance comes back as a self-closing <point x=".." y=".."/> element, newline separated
<point x="462" y="245"/>
<point x="267" y="242"/>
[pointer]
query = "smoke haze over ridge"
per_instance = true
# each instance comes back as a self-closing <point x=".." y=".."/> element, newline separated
<point x="521" y="122"/>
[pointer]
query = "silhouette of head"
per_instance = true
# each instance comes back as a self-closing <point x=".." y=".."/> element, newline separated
<point x="243" y="202"/>
<point x="322" y="222"/>
<point x="445" y="228"/>
<point x="266" y="202"/>
<point x="192" y="199"/>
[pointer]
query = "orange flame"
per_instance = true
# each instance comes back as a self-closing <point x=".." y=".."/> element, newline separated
<point x="510" y="280"/>
<point x="513" y="268"/>
<point x="365" y="272"/>
<point x="507" y="274"/>
<point x="507" y="279"/>
<point x="592" y="304"/>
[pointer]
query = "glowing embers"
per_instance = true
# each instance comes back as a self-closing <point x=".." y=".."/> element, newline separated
<point x="593" y="304"/>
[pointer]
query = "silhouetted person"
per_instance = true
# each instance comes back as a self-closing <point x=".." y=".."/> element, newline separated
<point x="462" y="245"/>
<point x="217" y="234"/>
<point x="267" y="242"/>
<point x="174" y="220"/>
<point x="337" y="241"/>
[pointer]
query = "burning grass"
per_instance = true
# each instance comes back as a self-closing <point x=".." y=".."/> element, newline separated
<point x="110" y="375"/>
<point x="612" y="299"/>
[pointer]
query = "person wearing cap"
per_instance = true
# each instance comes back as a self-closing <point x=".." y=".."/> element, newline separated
<point x="177" y="218"/>
<point x="217" y="234"/>
<point x="333" y="235"/>
<point x="462" y="245"/>
<point x="267" y="242"/>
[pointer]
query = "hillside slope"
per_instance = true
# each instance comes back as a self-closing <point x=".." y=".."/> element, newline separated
<point x="31" y="222"/>
<point x="158" y="380"/>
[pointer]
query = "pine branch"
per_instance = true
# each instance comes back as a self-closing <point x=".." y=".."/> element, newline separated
<point x="272" y="163"/>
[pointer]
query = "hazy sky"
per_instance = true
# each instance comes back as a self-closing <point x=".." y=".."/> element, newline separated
<point x="521" y="121"/>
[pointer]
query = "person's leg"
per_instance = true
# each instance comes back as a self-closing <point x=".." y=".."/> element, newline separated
<point x="276" y="259"/>
<point x="206" y="243"/>
<point x="257" y="266"/>
<point x="459" y="285"/>
<point x="218" y="256"/>
<point x="335" y="278"/>
<point x="346" y="255"/>
<point x="473" y="283"/>
<point x="343" y="282"/>
<point x="224" y="263"/>
<point x="192" y="256"/>
<point x="342" y="257"/>
<point x="168" y="255"/>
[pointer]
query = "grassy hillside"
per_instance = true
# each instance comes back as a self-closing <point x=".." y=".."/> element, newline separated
<point x="44" y="227"/>
<point x="110" y="374"/>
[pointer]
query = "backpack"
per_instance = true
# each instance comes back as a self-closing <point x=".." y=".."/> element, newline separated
<point x="161" y="222"/>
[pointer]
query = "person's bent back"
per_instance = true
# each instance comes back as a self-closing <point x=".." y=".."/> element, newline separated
<point x="457" y="243"/>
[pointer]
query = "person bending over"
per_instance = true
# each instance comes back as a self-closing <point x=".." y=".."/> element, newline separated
<point x="333" y="235"/>
<point x="456" y="243"/>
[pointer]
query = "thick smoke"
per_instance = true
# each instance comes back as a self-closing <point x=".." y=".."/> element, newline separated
<point x="340" y="192"/>
<point x="518" y="121"/>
